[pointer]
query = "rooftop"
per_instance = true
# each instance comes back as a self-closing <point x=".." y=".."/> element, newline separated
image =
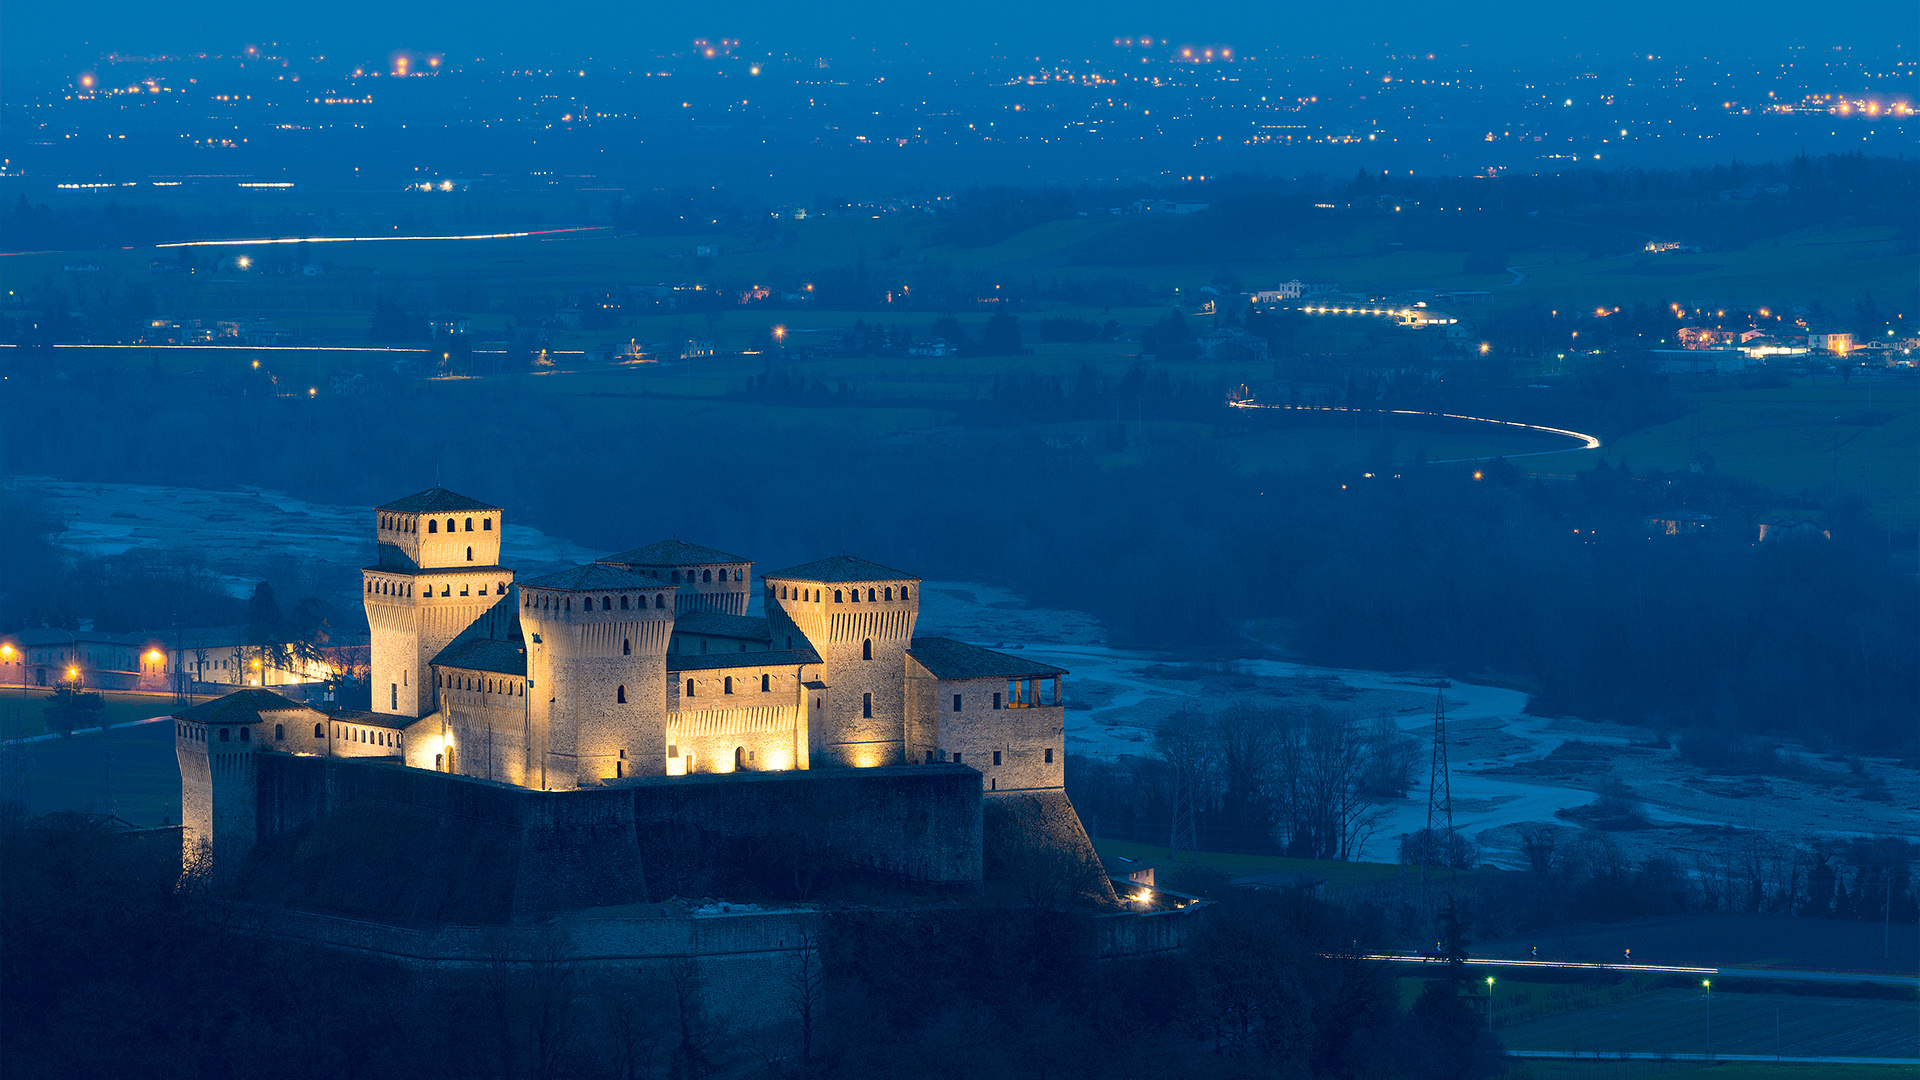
<point x="767" y="658"/>
<point x="950" y="659"/>
<point x="714" y="624"/>
<point x="838" y="568"/>
<point x="240" y="707"/>
<point x="485" y="654"/>
<point x="435" y="500"/>
<point x="672" y="553"/>
<point x="592" y="576"/>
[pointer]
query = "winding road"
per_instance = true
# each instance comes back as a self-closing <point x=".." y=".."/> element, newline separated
<point x="1586" y="441"/>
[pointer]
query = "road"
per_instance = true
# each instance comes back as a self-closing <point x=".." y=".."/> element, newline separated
<point x="1587" y="442"/>
<point x="1779" y="974"/>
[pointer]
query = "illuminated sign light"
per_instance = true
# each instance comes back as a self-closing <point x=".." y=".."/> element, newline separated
<point x="267" y="185"/>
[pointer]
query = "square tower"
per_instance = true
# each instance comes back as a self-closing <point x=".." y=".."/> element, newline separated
<point x="438" y="570"/>
<point x="703" y="579"/>
<point x="859" y="616"/>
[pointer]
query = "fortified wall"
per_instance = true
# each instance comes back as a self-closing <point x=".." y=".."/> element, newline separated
<point x="372" y="839"/>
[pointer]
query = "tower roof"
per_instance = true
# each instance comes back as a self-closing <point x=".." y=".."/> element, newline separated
<point x="240" y="707"/>
<point x="672" y="553"/>
<point x="485" y="654"/>
<point x="435" y="500"/>
<point x="592" y="577"/>
<point x="836" y="568"/>
<point x="950" y="659"/>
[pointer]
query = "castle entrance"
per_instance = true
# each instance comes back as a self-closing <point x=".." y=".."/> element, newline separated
<point x="739" y="759"/>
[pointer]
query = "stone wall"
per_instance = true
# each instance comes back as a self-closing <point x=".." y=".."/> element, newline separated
<point x="787" y="833"/>
<point x="1014" y="748"/>
<point x="375" y="840"/>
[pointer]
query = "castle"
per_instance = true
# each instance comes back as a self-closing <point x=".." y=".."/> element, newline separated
<point x="644" y="664"/>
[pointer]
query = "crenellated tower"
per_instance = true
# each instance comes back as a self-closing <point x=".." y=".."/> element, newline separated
<point x="596" y="639"/>
<point x="859" y="616"/>
<point x="703" y="579"/>
<point x="438" y="570"/>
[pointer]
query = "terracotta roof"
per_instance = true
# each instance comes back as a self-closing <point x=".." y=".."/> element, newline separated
<point x="836" y="568"/>
<point x="672" y="553"/>
<point x="767" y="658"/>
<point x="591" y="578"/>
<point x="461" y="568"/>
<point x="950" y="659"/>
<point x="240" y="707"/>
<point x="715" y="624"/>
<point x="485" y="654"/>
<point x="435" y="500"/>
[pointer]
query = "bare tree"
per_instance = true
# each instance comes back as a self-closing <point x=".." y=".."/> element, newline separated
<point x="806" y="992"/>
<point x="1326" y="811"/>
<point x="1187" y="752"/>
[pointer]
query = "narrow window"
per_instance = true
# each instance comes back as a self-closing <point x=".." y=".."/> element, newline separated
<point x="223" y="734"/>
<point x="620" y="695"/>
<point x="619" y="769"/>
<point x="1049" y="755"/>
<point x="279" y="733"/>
<point x="469" y="554"/>
<point x="856" y="595"/>
<point x="996" y="701"/>
<point x="606" y="603"/>
<point x="929" y="757"/>
<point x="433" y="526"/>
<point x="486" y="524"/>
<point x="996" y="757"/>
<point x="903" y="593"/>
<point x="393" y="693"/>
<point x="783" y="592"/>
<point x="703" y="646"/>
<point x="689" y="687"/>
<point x="866" y="705"/>
<point x="706" y="575"/>
<point x="729" y="686"/>
<point x="626" y="646"/>
<point x="836" y="596"/>
<point x="956" y="757"/>
<point x="246" y="734"/>
<point x="469" y="524"/>
<point x="319" y="731"/>
<point x="889" y="592"/>
<point x="660" y="600"/>
<point x="623" y="603"/>
<point x="676" y="575"/>
<point x="866" y="649"/>
<point x="956" y="703"/>
<point x="766" y="683"/>
<point x="450" y="525"/>
<point x="869" y="595"/>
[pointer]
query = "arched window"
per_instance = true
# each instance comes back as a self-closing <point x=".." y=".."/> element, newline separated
<point x="500" y="588"/>
<point x="766" y="683"/>
<point x="783" y="592"/>
<point x="689" y="687"/>
<point x="866" y="706"/>
<point x="279" y="733"/>
<point x="469" y="524"/>
<point x="569" y="603"/>
<point x="450" y="525"/>
<point x="836" y="596"/>
<point x="728" y="688"/>
<point x="606" y="603"/>
<point x="903" y="593"/>
<point x="433" y="525"/>
<point x="620" y="695"/>
<point x="469" y="554"/>
<point x="486" y="524"/>
<point x="889" y="593"/>
<point x="856" y="595"/>
<point x="626" y="646"/>
<point x="866" y="649"/>
<point x="246" y="734"/>
<point x="676" y="575"/>
<point x="660" y="600"/>
<point x="319" y="731"/>
<point x="223" y="734"/>
<point x="623" y="603"/>
<point x="706" y="575"/>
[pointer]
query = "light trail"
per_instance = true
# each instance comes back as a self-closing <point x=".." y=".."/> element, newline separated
<point x="1588" y="442"/>
<point x="300" y="348"/>
<point x="1779" y="974"/>
<point x="372" y="239"/>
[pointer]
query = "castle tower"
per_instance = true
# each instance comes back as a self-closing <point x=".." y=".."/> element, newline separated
<point x="859" y="616"/>
<point x="705" y="579"/>
<point x="439" y="570"/>
<point x="215" y="744"/>
<point x="596" y="640"/>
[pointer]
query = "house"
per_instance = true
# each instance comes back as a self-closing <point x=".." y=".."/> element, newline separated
<point x="1124" y="871"/>
<point x="441" y="325"/>
<point x="936" y="347"/>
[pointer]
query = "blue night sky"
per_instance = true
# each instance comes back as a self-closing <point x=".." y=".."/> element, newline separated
<point x="1493" y="28"/>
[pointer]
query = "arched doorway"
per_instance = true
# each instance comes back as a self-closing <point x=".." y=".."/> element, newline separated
<point x="739" y="759"/>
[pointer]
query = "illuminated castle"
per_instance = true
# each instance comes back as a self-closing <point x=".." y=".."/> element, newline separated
<point x="646" y="663"/>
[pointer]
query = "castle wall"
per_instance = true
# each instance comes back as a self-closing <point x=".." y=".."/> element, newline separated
<point x="489" y="725"/>
<point x="580" y="665"/>
<point x="864" y="646"/>
<point x="406" y="544"/>
<point x="1023" y="737"/>
<point x="216" y="785"/>
<point x="750" y="738"/>
<point x="411" y="617"/>
<point x="919" y="822"/>
<point x="375" y="841"/>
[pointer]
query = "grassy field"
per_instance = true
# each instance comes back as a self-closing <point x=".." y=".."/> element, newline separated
<point x="23" y="713"/>
<point x="1338" y="874"/>
<point x="1732" y="1070"/>
<point x="131" y="771"/>
<point x="1794" y="439"/>
<point x="1675" y="1021"/>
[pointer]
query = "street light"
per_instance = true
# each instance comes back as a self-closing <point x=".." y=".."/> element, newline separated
<point x="1489" y="1004"/>
<point x="1706" y="992"/>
